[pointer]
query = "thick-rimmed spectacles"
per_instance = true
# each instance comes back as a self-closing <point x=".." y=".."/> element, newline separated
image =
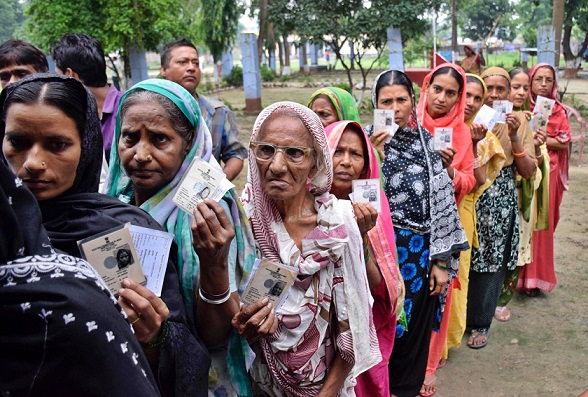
<point x="264" y="151"/>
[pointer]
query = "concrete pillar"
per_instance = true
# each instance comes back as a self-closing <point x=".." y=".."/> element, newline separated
<point x="546" y="45"/>
<point x="272" y="59"/>
<point x="395" y="58"/>
<point x="314" y="54"/>
<point x="138" y="65"/>
<point x="227" y="62"/>
<point x="251" y="72"/>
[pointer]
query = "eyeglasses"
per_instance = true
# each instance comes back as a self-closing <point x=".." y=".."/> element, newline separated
<point x="266" y="151"/>
<point x="547" y="80"/>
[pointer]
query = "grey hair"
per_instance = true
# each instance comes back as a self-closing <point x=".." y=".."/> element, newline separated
<point x="178" y="120"/>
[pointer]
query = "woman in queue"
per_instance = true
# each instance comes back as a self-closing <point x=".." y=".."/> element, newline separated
<point x="332" y="104"/>
<point x="355" y="158"/>
<point x="489" y="158"/>
<point x="442" y="105"/>
<point x="533" y="193"/>
<point x="325" y="335"/>
<point x="540" y="273"/>
<point x="421" y="197"/>
<point x="53" y="142"/>
<point x="497" y="214"/>
<point x="159" y="132"/>
<point x="52" y="306"/>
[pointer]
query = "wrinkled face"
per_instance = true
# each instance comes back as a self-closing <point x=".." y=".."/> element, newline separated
<point x="43" y="148"/>
<point x="519" y="89"/>
<point x="281" y="179"/>
<point x="150" y="150"/>
<point x="348" y="163"/>
<point x="183" y="68"/>
<point x="396" y="97"/>
<point x="543" y="81"/>
<point x="13" y="73"/>
<point x="474" y="99"/>
<point x="443" y="94"/>
<point x="498" y="89"/>
<point x="325" y="109"/>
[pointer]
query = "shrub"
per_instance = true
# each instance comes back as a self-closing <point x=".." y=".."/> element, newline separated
<point x="235" y="78"/>
<point x="344" y="86"/>
<point x="267" y="74"/>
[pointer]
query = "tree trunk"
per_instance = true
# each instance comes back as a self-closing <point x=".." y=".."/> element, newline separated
<point x="286" y="51"/>
<point x="454" y="48"/>
<point x="280" y="51"/>
<point x="573" y="61"/>
<point x="558" y="19"/>
<point x="262" y="29"/>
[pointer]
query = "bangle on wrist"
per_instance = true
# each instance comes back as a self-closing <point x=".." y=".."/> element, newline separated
<point x="155" y="344"/>
<point x="521" y="154"/>
<point x="440" y="266"/>
<point x="214" y="299"/>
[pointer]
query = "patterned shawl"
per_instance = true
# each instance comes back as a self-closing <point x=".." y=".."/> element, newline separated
<point x="176" y="221"/>
<point x="301" y="351"/>
<point x="403" y="159"/>
<point x="382" y="235"/>
<point x="557" y="126"/>
<point x="342" y="101"/>
<point x="463" y="161"/>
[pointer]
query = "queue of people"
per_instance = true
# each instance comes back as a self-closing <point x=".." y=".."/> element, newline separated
<point x="380" y="296"/>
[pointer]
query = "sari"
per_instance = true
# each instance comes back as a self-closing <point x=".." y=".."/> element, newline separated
<point x="389" y="295"/>
<point x="81" y="212"/>
<point x="342" y="100"/>
<point x="427" y="229"/>
<point x="327" y="311"/>
<point x="491" y="155"/>
<point x="497" y="226"/>
<point x="463" y="182"/>
<point x="63" y="333"/>
<point x="228" y="370"/>
<point x="540" y="273"/>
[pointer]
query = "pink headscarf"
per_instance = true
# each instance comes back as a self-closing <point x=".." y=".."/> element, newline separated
<point x="382" y="235"/>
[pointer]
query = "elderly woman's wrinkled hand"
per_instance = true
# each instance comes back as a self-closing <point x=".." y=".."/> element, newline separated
<point x="366" y="216"/>
<point x="378" y="139"/>
<point x="256" y="320"/>
<point x="145" y="311"/>
<point x="212" y="233"/>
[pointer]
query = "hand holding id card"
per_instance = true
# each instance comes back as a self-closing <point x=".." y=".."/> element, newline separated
<point x="384" y="121"/>
<point x="443" y="138"/>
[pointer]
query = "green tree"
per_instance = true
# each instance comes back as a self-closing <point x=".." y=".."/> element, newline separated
<point x="337" y="23"/>
<point x="118" y="24"/>
<point x="576" y="16"/>
<point x="530" y="15"/>
<point x="12" y="18"/>
<point x="478" y="16"/>
<point x="218" y="24"/>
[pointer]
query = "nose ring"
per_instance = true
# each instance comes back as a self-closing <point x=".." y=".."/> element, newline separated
<point x="43" y="163"/>
<point x="149" y="157"/>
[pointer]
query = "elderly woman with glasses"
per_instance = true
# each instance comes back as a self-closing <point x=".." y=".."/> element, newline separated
<point x="325" y="335"/>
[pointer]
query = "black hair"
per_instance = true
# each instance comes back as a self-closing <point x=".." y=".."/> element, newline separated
<point x="178" y="120"/>
<point x="451" y="71"/>
<point x="516" y="71"/>
<point x="167" y="49"/>
<point x="472" y="79"/>
<point x="394" y="77"/>
<point x="19" y="52"/>
<point x="69" y="96"/>
<point x="83" y="54"/>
